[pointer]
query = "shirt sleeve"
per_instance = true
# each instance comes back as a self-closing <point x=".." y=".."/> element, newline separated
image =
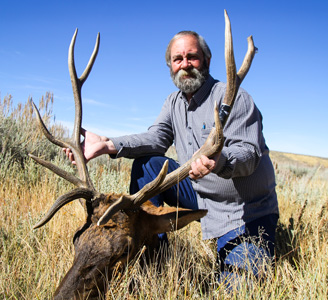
<point x="244" y="141"/>
<point x="155" y="141"/>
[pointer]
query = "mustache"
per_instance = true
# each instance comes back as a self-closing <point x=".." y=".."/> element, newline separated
<point x="194" y="80"/>
<point x="192" y="72"/>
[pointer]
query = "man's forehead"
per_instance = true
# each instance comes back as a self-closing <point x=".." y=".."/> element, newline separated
<point x="185" y="44"/>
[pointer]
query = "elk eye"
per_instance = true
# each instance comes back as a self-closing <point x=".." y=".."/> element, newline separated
<point x="126" y="250"/>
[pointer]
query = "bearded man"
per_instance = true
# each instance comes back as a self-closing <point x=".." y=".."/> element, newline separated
<point x="237" y="187"/>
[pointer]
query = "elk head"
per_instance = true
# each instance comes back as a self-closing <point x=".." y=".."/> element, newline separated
<point x="117" y="226"/>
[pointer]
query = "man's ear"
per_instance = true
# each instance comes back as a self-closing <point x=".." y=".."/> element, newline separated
<point x="165" y="219"/>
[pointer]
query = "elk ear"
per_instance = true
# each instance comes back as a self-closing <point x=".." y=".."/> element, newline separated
<point x="165" y="219"/>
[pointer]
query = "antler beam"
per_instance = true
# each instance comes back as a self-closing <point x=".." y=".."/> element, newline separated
<point x="77" y="84"/>
<point x="85" y="188"/>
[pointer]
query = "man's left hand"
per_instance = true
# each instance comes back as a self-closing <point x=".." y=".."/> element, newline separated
<point x="202" y="166"/>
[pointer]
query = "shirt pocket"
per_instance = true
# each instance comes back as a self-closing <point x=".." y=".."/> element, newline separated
<point x="204" y="134"/>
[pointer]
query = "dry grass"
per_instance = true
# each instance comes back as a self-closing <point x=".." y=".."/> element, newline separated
<point x="33" y="262"/>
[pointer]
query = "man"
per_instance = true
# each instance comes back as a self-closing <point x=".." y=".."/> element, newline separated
<point x="237" y="187"/>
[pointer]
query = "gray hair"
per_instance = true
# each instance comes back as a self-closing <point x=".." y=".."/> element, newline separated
<point x="203" y="45"/>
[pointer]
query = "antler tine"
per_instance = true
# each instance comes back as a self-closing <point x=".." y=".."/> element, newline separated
<point x="140" y="197"/>
<point x="234" y="79"/>
<point x="45" y="131"/>
<point x="230" y="63"/>
<point x="214" y="143"/>
<point x="60" y="172"/>
<point x="91" y="62"/>
<point x="63" y="200"/>
<point x="77" y="87"/>
<point x="247" y="60"/>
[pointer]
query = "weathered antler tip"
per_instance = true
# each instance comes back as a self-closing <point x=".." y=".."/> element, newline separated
<point x="36" y="226"/>
<point x="226" y="15"/>
<point x="121" y="203"/>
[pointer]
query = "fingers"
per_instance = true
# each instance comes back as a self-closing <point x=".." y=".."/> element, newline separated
<point x="69" y="155"/>
<point x="201" y="167"/>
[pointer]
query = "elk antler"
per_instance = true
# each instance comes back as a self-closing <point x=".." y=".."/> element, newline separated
<point x="214" y="142"/>
<point x="85" y="188"/>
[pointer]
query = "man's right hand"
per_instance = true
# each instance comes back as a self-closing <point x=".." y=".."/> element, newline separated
<point x="93" y="146"/>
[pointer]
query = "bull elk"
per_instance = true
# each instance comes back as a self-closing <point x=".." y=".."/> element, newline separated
<point x="117" y="226"/>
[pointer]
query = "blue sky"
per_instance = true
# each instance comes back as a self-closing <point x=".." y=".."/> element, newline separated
<point x="130" y="81"/>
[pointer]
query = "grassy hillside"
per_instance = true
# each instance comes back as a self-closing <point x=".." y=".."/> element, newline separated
<point x="33" y="262"/>
<point x="300" y="160"/>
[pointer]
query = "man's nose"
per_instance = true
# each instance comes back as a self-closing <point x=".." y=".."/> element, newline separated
<point x="185" y="64"/>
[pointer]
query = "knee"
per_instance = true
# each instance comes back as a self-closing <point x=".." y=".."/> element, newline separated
<point x="249" y="257"/>
<point x="148" y="161"/>
<point x="152" y="164"/>
<point x="146" y="168"/>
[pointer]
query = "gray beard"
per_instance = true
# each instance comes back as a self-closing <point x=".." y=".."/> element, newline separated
<point x="190" y="85"/>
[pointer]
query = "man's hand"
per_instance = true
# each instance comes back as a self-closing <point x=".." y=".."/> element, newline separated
<point x="203" y="166"/>
<point x="93" y="146"/>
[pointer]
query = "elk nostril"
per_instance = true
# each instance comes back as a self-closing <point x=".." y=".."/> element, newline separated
<point x="88" y="269"/>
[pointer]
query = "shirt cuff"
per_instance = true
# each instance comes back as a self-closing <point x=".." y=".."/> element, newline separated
<point x="120" y="147"/>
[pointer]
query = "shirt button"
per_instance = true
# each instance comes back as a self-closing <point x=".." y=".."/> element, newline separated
<point x="190" y="143"/>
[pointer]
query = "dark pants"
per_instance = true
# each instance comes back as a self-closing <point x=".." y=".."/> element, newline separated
<point x="146" y="169"/>
<point x="249" y="248"/>
<point x="246" y="248"/>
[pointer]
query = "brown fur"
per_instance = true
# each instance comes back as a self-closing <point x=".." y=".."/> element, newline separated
<point x="101" y="249"/>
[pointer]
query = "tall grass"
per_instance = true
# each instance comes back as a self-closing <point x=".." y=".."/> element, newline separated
<point x="33" y="262"/>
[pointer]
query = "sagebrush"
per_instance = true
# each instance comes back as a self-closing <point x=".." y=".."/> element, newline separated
<point x="33" y="262"/>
